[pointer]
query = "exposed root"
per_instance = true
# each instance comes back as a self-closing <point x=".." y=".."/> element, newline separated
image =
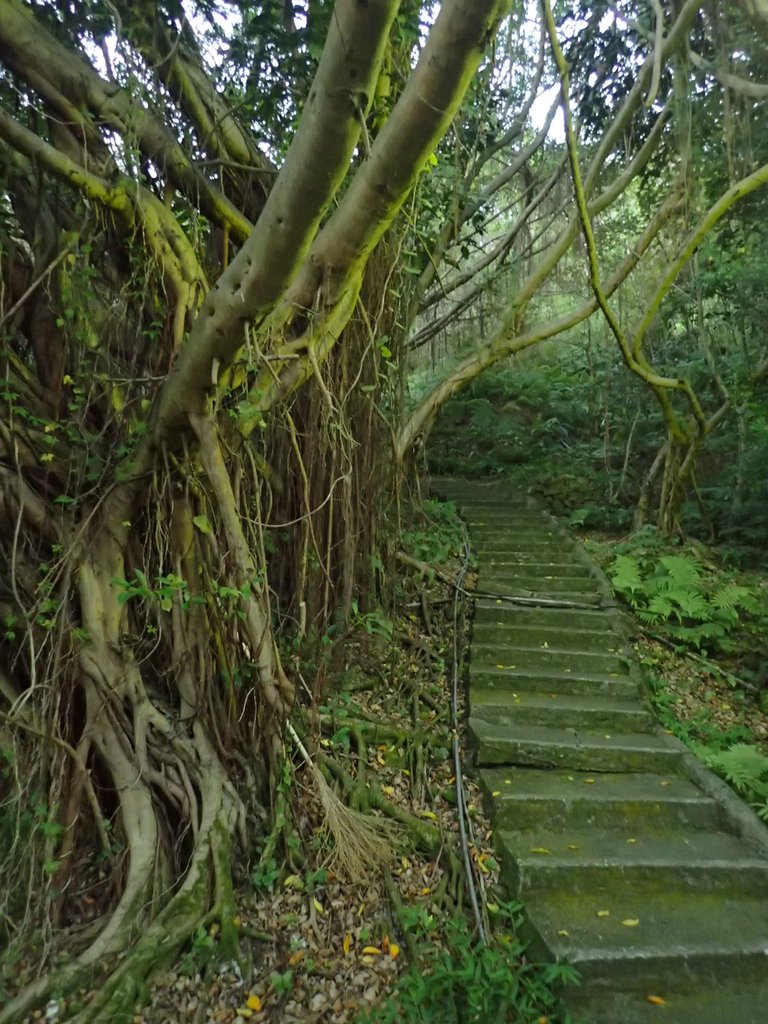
<point x="358" y="842"/>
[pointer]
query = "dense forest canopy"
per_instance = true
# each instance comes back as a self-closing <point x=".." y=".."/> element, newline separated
<point x="247" y="254"/>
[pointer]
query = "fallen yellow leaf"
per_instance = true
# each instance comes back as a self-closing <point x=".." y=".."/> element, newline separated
<point x="656" y="1000"/>
<point x="428" y="814"/>
<point x="293" y="882"/>
<point x="253" y="1003"/>
<point x="347" y="944"/>
<point x="588" y="782"/>
<point x="394" y="950"/>
<point x="496" y="792"/>
<point x="563" y="932"/>
<point x="389" y="790"/>
<point x="603" y="913"/>
<point x="571" y="846"/>
<point x="631" y="842"/>
<point x="426" y="891"/>
<point x="631" y="922"/>
<point x="371" y="951"/>
<point x="297" y="957"/>
<point x="317" y="905"/>
<point x="540" y="849"/>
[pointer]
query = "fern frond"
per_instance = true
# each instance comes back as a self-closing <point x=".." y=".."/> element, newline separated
<point x="625" y="574"/>
<point x="683" y="572"/>
<point x="733" y="596"/>
<point x="744" y="766"/>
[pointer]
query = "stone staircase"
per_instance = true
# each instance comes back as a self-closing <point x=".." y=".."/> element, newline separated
<point x="633" y="863"/>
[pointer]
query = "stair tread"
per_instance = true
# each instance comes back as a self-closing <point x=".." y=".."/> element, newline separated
<point x="558" y="737"/>
<point x="653" y="787"/>
<point x="573" y="702"/>
<point x="553" y="675"/>
<point x="673" y="923"/>
<point x="742" y="1003"/>
<point x="609" y="847"/>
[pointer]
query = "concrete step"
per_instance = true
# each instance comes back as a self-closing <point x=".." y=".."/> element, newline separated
<point x="533" y="528"/>
<point x="561" y="711"/>
<point x="713" y="1003"/>
<point x="701" y="937"/>
<point x="623" y="687"/>
<point x="625" y="802"/>
<point x="511" y="634"/>
<point x="537" y="548"/>
<point x="485" y="517"/>
<point x="510" y="582"/>
<point x="528" y="569"/>
<point x="598" y="860"/>
<point x="569" y="600"/>
<point x="536" y="658"/>
<point x="497" y="610"/>
<point x="541" y="746"/>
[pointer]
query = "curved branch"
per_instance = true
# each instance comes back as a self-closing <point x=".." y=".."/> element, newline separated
<point x="506" y="342"/>
<point x="76" y="92"/>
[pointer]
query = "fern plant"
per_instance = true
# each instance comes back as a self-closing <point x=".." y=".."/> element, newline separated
<point x="745" y="767"/>
<point x="682" y="595"/>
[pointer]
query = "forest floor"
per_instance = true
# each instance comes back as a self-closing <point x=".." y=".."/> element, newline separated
<point x="319" y="948"/>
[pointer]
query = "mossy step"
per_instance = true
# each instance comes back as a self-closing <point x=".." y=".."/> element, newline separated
<point x="713" y="1003"/>
<point x="514" y="519"/>
<point x="527" y="569"/>
<point x="518" y="681"/>
<point x="495" y="543"/>
<point x="538" y="745"/>
<point x="568" y="710"/>
<point x="490" y="578"/>
<point x="702" y="937"/>
<point x="489" y="609"/>
<point x="510" y="633"/>
<point x="532" y="527"/>
<point x="532" y="659"/>
<point x="569" y="599"/>
<point x="626" y="802"/>
<point x="596" y="861"/>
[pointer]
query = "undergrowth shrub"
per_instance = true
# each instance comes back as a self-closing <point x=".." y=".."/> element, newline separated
<point x="685" y="597"/>
<point x="745" y="767"/>
<point x="455" y="980"/>
<point x="435" y="534"/>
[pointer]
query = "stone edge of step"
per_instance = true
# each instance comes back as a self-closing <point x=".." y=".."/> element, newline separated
<point x="738" y="814"/>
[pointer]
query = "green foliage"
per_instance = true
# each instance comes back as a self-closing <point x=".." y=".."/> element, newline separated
<point x="730" y="752"/>
<point x="437" y="533"/>
<point x="745" y="767"/>
<point x="455" y="980"/>
<point x="678" y="593"/>
<point x="199" y="954"/>
<point x="374" y="623"/>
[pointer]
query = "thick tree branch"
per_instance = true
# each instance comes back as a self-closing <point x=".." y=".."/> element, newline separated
<point x="429" y="101"/>
<point x="506" y="342"/>
<point x="77" y="94"/>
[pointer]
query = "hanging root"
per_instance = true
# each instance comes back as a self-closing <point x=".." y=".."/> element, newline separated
<point x="360" y="843"/>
